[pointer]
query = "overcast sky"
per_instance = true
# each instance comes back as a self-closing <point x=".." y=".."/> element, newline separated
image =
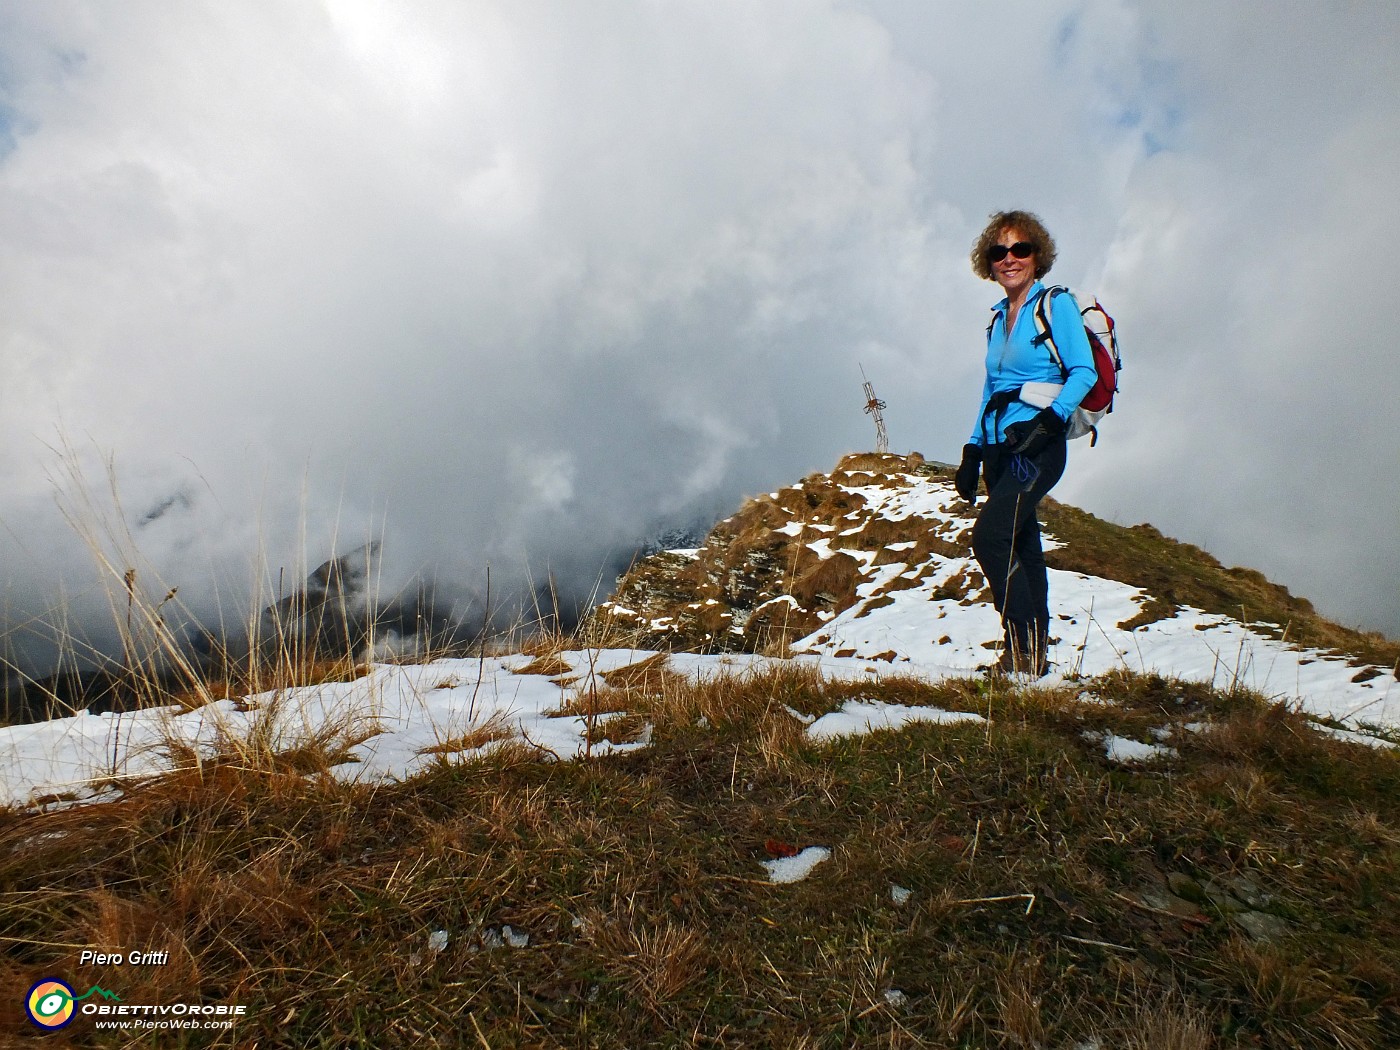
<point x="513" y="282"/>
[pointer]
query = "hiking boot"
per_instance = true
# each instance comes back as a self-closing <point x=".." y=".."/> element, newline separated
<point x="1012" y="661"/>
<point x="1042" y="648"/>
<point x="1008" y="662"/>
<point x="1025" y="650"/>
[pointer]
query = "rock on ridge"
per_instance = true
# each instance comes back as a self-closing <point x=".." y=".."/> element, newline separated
<point x="791" y="560"/>
<point x="845" y="543"/>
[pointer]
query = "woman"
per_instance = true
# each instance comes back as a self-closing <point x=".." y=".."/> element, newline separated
<point x="1019" y="447"/>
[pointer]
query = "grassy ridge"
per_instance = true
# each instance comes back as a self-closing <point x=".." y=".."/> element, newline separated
<point x="651" y="922"/>
<point x="1177" y="574"/>
<point x="670" y="602"/>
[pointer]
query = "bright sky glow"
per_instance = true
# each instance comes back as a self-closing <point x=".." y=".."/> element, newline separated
<point x="515" y="283"/>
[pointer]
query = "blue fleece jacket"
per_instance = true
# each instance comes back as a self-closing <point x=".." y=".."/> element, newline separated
<point x="1016" y="360"/>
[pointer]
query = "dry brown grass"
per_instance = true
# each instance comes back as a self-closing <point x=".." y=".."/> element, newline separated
<point x="589" y="702"/>
<point x="654" y="963"/>
<point x="621" y="728"/>
<point x="1300" y="1002"/>
<point x="551" y="665"/>
<point x="1020" y="1020"/>
<point x="649" y="675"/>
<point x="828" y="583"/>
<point x="493" y="730"/>
<point x="273" y="887"/>
<point x="878" y="463"/>
<point x="1169" y="1024"/>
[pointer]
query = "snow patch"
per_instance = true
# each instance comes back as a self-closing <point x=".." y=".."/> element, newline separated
<point x="857" y="717"/>
<point x="797" y="868"/>
<point x="1126" y="751"/>
<point x="1368" y="739"/>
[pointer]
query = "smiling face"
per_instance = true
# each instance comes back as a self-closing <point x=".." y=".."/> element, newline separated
<point x="1013" y="274"/>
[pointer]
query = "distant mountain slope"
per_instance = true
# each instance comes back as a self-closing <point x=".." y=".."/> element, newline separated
<point x="873" y="560"/>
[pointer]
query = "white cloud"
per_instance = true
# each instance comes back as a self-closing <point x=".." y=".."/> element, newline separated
<point x="502" y="278"/>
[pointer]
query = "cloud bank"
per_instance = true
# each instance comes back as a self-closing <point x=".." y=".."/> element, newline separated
<point x="514" y="284"/>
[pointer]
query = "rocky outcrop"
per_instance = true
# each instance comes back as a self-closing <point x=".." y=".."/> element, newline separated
<point x="842" y="546"/>
<point x="773" y="573"/>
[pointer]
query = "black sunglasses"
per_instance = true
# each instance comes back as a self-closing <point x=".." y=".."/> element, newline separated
<point x="1021" y="249"/>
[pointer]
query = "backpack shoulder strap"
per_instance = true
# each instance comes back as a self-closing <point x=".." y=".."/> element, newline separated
<point x="996" y="312"/>
<point x="1045" y="335"/>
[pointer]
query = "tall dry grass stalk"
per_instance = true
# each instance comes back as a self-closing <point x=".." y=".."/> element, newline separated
<point x="278" y="640"/>
<point x="165" y="657"/>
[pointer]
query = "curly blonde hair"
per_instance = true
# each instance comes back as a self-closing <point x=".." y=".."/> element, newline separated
<point x="1029" y="226"/>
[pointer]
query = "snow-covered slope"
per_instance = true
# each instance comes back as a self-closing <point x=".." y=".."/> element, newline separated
<point x="873" y="561"/>
<point x="861" y="573"/>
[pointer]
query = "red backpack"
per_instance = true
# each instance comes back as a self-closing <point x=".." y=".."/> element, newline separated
<point x="1103" y="342"/>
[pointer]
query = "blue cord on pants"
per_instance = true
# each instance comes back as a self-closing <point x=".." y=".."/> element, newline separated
<point x="1024" y="470"/>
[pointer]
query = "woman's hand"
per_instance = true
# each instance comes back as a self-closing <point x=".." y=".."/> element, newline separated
<point x="1029" y="436"/>
<point x="965" y="481"/>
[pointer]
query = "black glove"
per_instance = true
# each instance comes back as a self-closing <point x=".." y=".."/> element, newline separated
<point x="965" y="481"/>
<point x="1029" y="436"/>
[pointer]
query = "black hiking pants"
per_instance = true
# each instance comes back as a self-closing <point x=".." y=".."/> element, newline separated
<point x="1006" y="540"/>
